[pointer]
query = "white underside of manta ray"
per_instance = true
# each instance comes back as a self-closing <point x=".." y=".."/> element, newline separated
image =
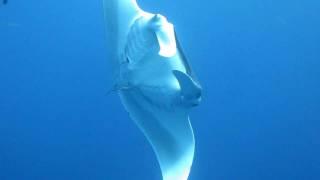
<point x="155" y="82"/>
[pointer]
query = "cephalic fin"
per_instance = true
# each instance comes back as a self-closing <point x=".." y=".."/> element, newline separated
<point x="165" y="34"/>
<point x="190" y="89"/>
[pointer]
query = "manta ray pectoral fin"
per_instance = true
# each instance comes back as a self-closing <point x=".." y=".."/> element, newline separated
<point x="169" y="132"/>
<point x="119" y="15"/>
<point x="190" y="90"/>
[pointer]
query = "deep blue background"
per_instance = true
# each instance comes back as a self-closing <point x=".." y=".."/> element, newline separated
<point x="258" y="61"/>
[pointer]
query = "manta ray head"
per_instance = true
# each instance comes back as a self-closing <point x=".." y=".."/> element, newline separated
<point x="153" y="61"/>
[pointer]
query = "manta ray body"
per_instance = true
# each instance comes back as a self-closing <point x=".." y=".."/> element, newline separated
<point x="155" y="82"/>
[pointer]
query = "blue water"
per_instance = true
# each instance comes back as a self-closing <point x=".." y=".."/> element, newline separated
<point x="258" y="62"/>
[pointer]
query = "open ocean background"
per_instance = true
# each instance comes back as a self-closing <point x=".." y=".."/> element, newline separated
<point x="258" y="62"/>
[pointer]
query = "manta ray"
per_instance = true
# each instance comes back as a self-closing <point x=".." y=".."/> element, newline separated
<point x="155" y="82"/>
